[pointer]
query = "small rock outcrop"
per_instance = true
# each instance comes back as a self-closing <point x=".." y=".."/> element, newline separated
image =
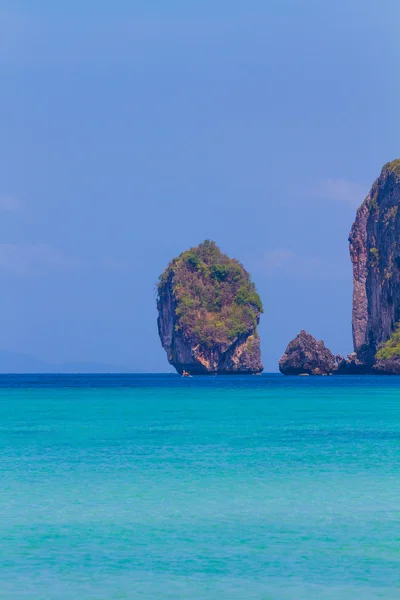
<point x="352" y="365"/>
<point x="375" y="255"/>
<point x="388" y="366"/>
<point x="307" y="356"/>
<point x="209" y="311"/>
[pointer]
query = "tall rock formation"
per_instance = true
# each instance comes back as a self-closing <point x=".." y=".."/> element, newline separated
<point x="208" y="314"/>
<point x="375" y="254"/>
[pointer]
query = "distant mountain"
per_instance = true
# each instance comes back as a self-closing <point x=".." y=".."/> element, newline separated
<point x="14" y="362"/>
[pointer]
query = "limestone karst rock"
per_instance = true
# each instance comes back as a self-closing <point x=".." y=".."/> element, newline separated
<point x="209" y="311"/>
<point x="375" y="254"/>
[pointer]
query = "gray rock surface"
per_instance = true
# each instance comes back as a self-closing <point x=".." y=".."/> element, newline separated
<point x="306" y="355"/>
<point x="375" y="254"/>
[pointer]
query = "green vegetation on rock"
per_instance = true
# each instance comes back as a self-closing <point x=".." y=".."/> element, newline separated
<point x="390" y="215"/>
<point x="374" y="256"/>
<point x="393" y="166"/>
<point x="215" y="299"/>
<point x="391" y="347"/>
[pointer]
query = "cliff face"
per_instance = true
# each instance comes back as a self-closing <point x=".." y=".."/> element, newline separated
<point x="307" y="356"/>
<point x="375" y="254"/>
<point x="208" y="314"/>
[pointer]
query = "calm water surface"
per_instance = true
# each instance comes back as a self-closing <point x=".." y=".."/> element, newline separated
<point x="157" y="487"/>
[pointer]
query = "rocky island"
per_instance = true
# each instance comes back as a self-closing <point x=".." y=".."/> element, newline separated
<point x="209" y="311"/>
<point x="375" y="256"/>
<point x="307" y="356"/>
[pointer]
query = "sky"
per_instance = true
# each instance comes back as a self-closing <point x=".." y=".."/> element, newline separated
<point x="133" y="130"/>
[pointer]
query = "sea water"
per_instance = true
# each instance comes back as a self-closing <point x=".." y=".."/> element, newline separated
<point x="240" y="488"/>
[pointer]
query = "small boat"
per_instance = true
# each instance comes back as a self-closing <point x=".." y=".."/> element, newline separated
<point x="186" y="374"/>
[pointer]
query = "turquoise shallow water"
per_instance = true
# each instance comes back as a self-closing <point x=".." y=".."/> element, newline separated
<point x="157" y="487"/>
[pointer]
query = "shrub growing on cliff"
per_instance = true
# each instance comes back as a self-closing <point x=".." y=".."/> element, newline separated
<point x="215" y="299"/>
<point x="374" y="256"/>
<point x="393" y="166"/>
<point x="391" y="347"/>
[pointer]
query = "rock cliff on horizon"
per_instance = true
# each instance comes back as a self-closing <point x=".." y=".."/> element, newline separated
<point x="209" y="311"/>
<point x="375" y="255"/>
<point x="307" y="356"/>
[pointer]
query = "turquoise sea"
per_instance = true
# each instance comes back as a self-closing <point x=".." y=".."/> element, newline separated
<point x="156" y="487"/>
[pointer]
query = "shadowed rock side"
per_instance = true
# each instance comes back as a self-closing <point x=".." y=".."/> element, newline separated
<point x="375" y="254"/>
<point x="208" y="314"/>
<point x="307" y="356"/>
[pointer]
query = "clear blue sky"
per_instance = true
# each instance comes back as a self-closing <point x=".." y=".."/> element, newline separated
<point x="132" y="130"/>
